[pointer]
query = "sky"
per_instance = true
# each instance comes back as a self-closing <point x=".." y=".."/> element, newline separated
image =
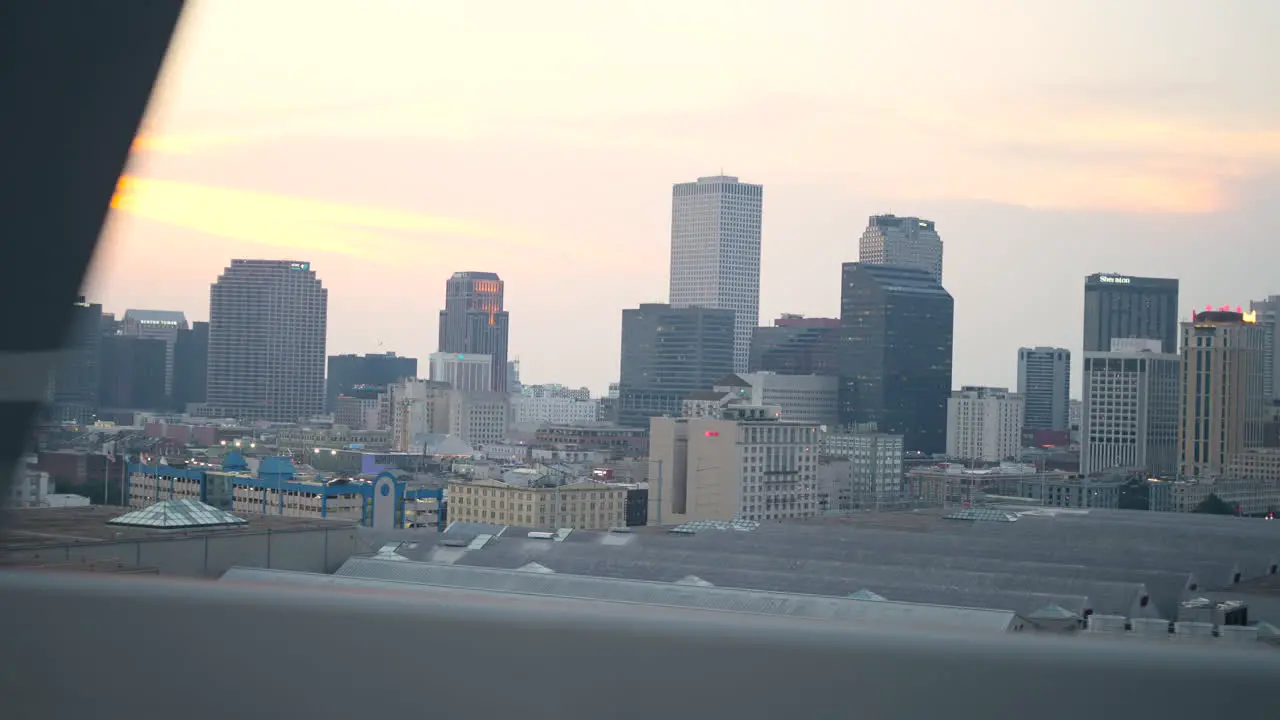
<point x="394" y="142"/>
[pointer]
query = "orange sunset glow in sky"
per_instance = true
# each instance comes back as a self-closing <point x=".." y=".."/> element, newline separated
<point x="393" y="142"/>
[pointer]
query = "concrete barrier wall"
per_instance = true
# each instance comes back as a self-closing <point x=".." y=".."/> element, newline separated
<point x="320" y="550"/>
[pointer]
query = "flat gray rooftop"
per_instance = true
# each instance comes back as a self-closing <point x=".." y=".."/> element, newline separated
<point x="1137" y="564"/>
<point x="380" y="574"/>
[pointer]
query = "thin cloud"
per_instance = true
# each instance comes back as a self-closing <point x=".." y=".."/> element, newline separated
<point x="296" y="223"/>
<point x="992" y="148"/>
<point x="183" y="144"/>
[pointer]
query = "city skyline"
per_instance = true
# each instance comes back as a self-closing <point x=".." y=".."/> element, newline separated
<point x="1039" y="166"/>
<point x="601" y="389"/>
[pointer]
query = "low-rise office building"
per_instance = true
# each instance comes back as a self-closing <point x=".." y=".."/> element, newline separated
<point x="578" y="505"/>
<point x="747" y="465"/>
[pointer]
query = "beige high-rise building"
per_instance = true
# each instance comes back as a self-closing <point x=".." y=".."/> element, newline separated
<point x="1222" y="390"/>
<point x="746" y="465"/>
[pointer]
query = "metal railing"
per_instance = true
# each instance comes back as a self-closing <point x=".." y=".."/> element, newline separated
<point x="141" y="647"/>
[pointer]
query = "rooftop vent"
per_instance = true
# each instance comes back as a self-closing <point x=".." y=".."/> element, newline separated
<point x="982" y="515"/>
<point x="1238" y="633"/>
<point x="1193" y="630"/>
<point x="388" y="552"/>
<point x="1107" y="623"/>
<point x="1150" y="627"/>
<point x="694" y="526"/>
<point x="1053" y="612"/>
<point x="693" y="580"/>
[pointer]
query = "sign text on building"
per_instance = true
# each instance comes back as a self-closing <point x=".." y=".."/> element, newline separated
<point x="1113" y="280"/>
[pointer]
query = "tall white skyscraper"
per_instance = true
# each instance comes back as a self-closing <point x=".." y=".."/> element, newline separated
<point x="715" y="252"/>
<point x="267" y="322"/>
<point x="905" y="241"/>
<point x="1044" y="381"/>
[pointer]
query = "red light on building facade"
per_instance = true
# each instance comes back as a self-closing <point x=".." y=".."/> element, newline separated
<point x="712" y="433"/>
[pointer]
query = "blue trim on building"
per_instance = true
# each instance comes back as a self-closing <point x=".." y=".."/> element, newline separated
<point x="284" y="482"/>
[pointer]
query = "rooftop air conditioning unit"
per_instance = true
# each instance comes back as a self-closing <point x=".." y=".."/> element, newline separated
<point x="1107" y="623"/>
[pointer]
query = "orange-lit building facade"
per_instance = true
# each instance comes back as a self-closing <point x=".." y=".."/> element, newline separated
<point x="474" y="321"/>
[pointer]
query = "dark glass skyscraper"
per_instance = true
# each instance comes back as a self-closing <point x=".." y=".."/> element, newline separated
<point x="348" y="371"/>
<point x="190" y="365"/>
<point x="668" y="353"/>
<point x="133" y="373"/>
<point x="796" y="346"/>
<point x="1122" y="306"/>
<point x="473" y="320"/>
<point x="896" y="326"/>
<point x="76" y="378"/>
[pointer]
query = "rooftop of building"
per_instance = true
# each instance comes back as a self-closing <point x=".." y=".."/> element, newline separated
<point x="167" y="317"/>
<point x="706" y="395"/>
<point x="1004" y="468"/>
<point x="45" y="527"/>
<point x="1104" y="561"/>
<point x="593" y="427"/>
<point x="891" y="220"/>
<point x="900" y="279"/>
<point x="388" y="572"/>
